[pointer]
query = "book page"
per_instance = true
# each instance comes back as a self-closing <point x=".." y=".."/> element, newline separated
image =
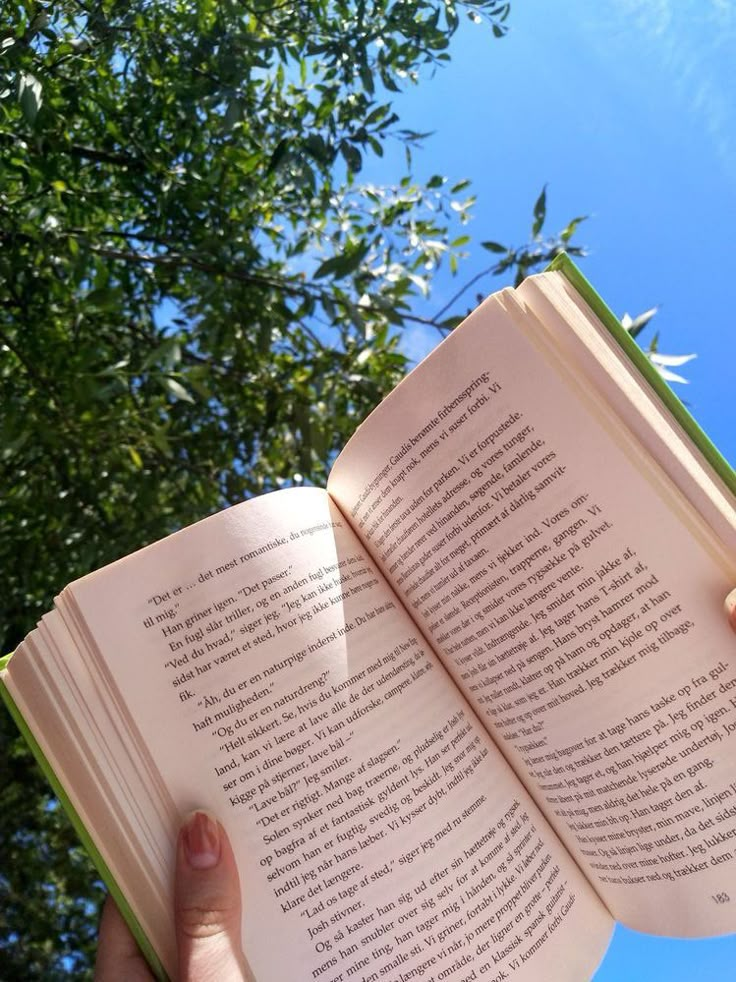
<point x="577" y="602"/>
<point x="274" y="678"/>
<point x="84" y="773"/>
<point x="589" y="349"/>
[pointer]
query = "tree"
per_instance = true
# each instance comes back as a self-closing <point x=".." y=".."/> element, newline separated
<point x="198" y="302"/>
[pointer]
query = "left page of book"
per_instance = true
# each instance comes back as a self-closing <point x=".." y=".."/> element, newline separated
<point x="263" y="669"/>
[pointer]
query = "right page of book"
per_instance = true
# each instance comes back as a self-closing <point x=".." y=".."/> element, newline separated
<point x="576" y="598"/>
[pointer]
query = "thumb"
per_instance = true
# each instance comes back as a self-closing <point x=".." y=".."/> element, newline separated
<point x="207" y="904"/>
<point x="730" y="605"/>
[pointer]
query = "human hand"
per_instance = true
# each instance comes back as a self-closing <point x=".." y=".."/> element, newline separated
<point x="730" y="605"/>
<point x="207" y="915"/>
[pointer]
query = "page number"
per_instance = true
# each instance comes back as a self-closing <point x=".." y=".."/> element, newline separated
<point x="720" y="898"/>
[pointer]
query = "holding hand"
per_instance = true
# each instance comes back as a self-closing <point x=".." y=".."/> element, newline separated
<point x="207" y="915"/>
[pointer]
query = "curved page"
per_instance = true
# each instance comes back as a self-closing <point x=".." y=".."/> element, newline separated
<point x="275" y="679"/>
<point x="576" y="599"/>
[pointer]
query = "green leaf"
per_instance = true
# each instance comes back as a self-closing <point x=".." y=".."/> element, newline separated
<point x="377" y="114"/>
<point x="30" y="96"/>
<point x="165" y="355"/>
<point x="344" y="263"/>
<point x="637" y="324"/>
<point x="176" y="389"/>
<point x="376" y="145"/>
<point x="494" y="247"/>
<point x="366" y="77"/>
<point x="569" y="230"/>
<point x="278" y="155"/>
<point x="352" y="156"/>
<point x="540" y="212"/>
<point x="317" y="148"/>
<point x="233" y="114"/>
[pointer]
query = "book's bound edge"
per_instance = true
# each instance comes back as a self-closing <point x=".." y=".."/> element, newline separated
<point x="631" y="349"/>
<point x="85" y="839"/>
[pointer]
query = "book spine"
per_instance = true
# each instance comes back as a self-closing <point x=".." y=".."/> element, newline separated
<point x="631" y="349"/>
<point x="85" y="839"/>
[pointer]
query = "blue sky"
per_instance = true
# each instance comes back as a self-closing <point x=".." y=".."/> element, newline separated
<point x="627" y="110"/>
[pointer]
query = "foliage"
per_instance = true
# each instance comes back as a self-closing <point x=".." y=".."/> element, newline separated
<point x="663" y="363"/>
<point x="199" y="300"/>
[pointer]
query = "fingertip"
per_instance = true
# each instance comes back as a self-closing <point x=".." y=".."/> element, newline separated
<point x="201" y="837"/>
<point x="730" y="608"/>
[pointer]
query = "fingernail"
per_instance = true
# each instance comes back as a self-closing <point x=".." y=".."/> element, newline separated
<point x="200" y="836"/>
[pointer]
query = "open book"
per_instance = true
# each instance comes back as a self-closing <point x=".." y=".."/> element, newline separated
<point x="458" y="712"/>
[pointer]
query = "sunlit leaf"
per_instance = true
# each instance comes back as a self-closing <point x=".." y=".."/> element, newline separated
<point x="176" y="389"/>
<point x="637" y="324"/>
<point x="30" y="96"/>
<point x="672" y="361"/>
<point x="540" y="212"/>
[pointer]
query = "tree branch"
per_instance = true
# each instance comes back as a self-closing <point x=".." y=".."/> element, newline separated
<point x="107" y="157"/>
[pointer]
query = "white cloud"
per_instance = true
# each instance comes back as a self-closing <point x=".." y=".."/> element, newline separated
<point x="691" y="43"/>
